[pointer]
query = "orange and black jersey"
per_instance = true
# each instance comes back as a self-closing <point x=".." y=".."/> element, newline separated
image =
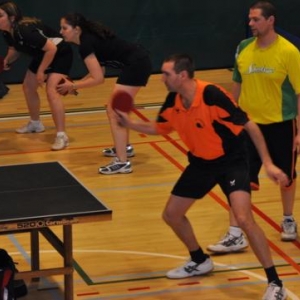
<point x="211" y="128"/>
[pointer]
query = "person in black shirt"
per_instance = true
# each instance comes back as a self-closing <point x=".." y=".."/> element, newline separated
<point x="100" y="48"/>
<point x="51" y="61"/>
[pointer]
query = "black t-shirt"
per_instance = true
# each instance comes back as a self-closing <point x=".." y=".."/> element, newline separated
<point x="30" y="38"/>
<point x="113" y="52"/>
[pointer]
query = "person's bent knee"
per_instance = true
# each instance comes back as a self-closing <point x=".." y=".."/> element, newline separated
<point x="165" y="217"/>
<point x="168" y="218"/>
<point x="52" y="94"/>
<point x="30" y="81"/>
<point x="245" y="223"/>
<point x="29" y="86"/>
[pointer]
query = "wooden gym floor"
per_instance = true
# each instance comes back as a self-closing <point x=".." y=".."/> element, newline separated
<point x="127" y="258"/>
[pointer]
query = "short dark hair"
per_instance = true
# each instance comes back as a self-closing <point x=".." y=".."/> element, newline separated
<point x="267" y="8"/>
<point x="182" y="62"/>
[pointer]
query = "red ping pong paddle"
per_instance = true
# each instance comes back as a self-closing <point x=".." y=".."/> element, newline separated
<point x="63" y="80"/>
<point x="122" y="101"/>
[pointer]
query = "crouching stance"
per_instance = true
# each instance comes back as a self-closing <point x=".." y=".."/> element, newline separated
<point x="213" y="128"/>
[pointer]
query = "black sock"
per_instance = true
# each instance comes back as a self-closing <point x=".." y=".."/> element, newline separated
<point x="273" y="276"/>
<point x="198" y="256"/>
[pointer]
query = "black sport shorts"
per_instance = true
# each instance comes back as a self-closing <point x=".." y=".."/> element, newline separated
<point x="199" y="178"/>
<point x="279" y="138"/>
<point x="61" y="63"/>
<point x="136" y="73"/>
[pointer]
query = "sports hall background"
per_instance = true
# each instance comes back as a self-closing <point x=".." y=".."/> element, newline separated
<point x="209" y="30"/>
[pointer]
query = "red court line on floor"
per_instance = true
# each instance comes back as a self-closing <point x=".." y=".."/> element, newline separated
<point x="237" y="279"/>
<point x="88" y="294"/>
<point x="224" y="204"/>
<point x="272" y="223"/>
<point x="168" y="138"/>
<point x="288" y="274"/>
<point x="286" y="257"/>
<point x="139" y="288"/>
<point x="167" y="156"/>
<point x="212" y="194"/>
<point x="73" y="148"/>
<point x="189" y="283"/>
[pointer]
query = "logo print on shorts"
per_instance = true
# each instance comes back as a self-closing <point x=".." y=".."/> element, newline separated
<point x="232" y="182"/>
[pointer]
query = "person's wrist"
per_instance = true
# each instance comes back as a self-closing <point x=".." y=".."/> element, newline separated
<point x="74" y="87"/>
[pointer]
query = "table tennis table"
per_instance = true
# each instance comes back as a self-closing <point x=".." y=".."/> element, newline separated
<point x="37" y="196"/>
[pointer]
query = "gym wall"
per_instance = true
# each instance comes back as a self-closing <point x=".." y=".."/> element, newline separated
<point x="209" y="30"/>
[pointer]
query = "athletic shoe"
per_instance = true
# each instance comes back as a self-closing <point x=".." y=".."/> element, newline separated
<point x="111" y="152"/>
<point x="229" y="243"/>
<point x="60" y="142"/>
<point x="190" y="269"/>
<point x="116" y="166"/>
<point x="275" y="292"/>
<point x="31" y="127"/>
<point x="289" y="230"/>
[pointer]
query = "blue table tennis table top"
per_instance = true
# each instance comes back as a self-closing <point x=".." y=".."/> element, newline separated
<point x="31" y="194"/>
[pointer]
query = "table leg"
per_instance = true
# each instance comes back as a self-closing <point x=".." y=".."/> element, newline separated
<point x="35" y="252"/>
<point x="68" y="261"/>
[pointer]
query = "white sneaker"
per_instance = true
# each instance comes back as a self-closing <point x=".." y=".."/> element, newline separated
<point x="60" y="142"/>
<point x="191" y="269"/>
<point x="115" y="167"/>
<point x="275" y="292"/>
<point x="229" y="243"/>
<point x="31" y="127"/>
<point x="289" y="230"/>
<point x="5" y="294"/>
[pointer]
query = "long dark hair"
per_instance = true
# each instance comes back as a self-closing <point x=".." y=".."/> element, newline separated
<point x="13" y="10"/>
<point x="97" y="28"/>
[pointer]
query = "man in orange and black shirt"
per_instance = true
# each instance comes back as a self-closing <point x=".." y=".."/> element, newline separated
<point x="213" y="127"/>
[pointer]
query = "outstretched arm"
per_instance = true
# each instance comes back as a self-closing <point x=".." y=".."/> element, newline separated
<point x="50" y="50"/>
<point x="11" y="56"/>
<point x="95" y="75"/>
<point x="236" y="90"/>
<point x="140" y="126"/>
<point x="297" y="138"/>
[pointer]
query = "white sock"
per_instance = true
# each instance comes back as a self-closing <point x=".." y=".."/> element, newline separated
<point x="235" y="231"/>
<point x="35" y="122"/>
<point x="61" y="133"/>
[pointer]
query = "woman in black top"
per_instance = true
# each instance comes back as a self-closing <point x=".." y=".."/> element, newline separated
<point x="99" y="47"/>
<point x="51" y="60"/>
